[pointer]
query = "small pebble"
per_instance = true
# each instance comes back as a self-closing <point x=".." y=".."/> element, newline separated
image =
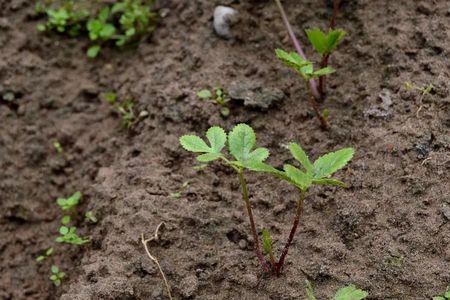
<point x="243" y="244"/>
<point x="189" y="286"/>
<point x="224" y="18"/>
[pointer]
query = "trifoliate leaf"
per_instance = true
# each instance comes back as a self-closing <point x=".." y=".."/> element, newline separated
<point x="300" y="155"/>
<point x="207" y="157"/>
<point x="217" y="138"/>
<point x="350" y="293"/>
<point x="329" y="181"/>
<point x="266" y="241"/>
<point x="300" y="179"/>
<point x="329" y="163"/>
<point x="241" y="141"/>
<point x="194" y="143"/>
<point x="324" y="71"/>
<point x="260" y="154"/>
<point x="204" y="94"/>
<point x="325" y="43"/>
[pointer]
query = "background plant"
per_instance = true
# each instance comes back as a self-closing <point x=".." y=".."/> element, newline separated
<point x="57" y="276"/>
<point x="346" y="293"/>
<point x="125" y="108"/>
<point x="220" y="98"/>
<point x="445" y="296"/>
<point x="241" y="142"/>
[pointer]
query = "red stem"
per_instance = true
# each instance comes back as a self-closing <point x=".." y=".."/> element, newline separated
<point x="298" y="47"/>
<point x="280" y="263"/>
<point x="248" y="205"/>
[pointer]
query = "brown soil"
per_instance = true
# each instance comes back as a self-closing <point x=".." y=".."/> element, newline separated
<point x="389" y="233"/>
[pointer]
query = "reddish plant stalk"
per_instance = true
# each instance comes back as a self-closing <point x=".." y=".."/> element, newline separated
<point x="248" y="205"/>
<point x="279" y="265"/>
<point x="325" y="58"/>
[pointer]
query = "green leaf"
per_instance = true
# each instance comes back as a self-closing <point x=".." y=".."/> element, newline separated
<point x="324" y="71"/>
<point x="325" y="43"/>
<point x="49" y="251"/>
<point x="55" y="269"/>
<point x="331" y="162"/>
<point x="291" y="59"/>
<point x="65" y="220"/>
<point x="63" y="230"/>
<point x="241" y="141"/>
<point x="266" y="241"/>
<point x="207" y="157"/>
<point x="350" y="293"/>
<point x="204" y="94"/>
<point x="439" y="298"/>
<point x="53" y="277"/>
<point x="300" y="155"/>
<point x="104" y="14"/>
<point x="258" y="166"/>
<point x="317" y="39"/>
<point x="447" y="294"/>
<point x="329" y="181"/>
<point x="93" y="51"/>
<point x="194" y="143"/>
<point x="107" y="31"/>
<point x="40" y="258"/>
<point x="41" y="27"/>
<point x="259" y="154"/>
<point x="217" y="138"/>
<point x="300" y="179"/>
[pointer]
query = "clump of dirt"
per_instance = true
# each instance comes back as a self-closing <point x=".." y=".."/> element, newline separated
<point x="388" y="233"/>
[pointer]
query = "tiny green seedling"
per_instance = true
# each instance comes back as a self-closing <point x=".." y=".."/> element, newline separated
<point x="69" y="235"/>
<point x="346" y="293"/>
<point x="124" y="108"/>
<point x="220" y="99"/>
<point x="179" y="193"/>
<point x="445" y="296"/>
<point x="57" y="276"/>
<point x="89" y="216"/>
<point x="45" y="255"/>
<point x="241" y="143"/>
<point x="58" y="147"/>
<point x="69" y="203"/>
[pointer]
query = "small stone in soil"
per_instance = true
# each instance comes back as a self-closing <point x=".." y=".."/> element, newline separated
<point x="255" y="94"/>
<point x="446" y="211"/>
<point x="243" y="244"/>
<point x="224" y="18"/>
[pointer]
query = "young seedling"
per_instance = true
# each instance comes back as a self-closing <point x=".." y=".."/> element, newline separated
<point x="69" y="235"/>
<point x="180" y="192"/>
<point x="57" y="276"/>
<point x="124" y="108"/>
<point x="306" y="70"/>
<point x="45" y="255"/>
<point x="324" y="44"/>
<point x="100" y="30"/>
<point x="58" y="147"/>
<point x="241" y="143"/>
<point x="445" y="296"/>
<point x="89" y="216"/>
<point x="347" y="293"/>
<point x="220" y="99"/>
<point x="425" y="90"/>
<point x="70" y="203"/>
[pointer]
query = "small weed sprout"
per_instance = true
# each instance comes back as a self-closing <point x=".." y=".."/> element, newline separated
<point x="124" y="108"/>
<point x="121" y="23"/>
<point x="69" y="235"/>
<point x="68" y="204"/>
<point x="241" y="142"/>
<point x="346" y="293"/>
<point x="324" y="44"/>
<point x="424" y="90"/>
<point x="57" y="276"/>
<point x="445" y="296"/>
<point x="45" y="255"/>
<point x="89" y="216"/>
<point x="220" y="99"/>
<point x="58" y="147"/>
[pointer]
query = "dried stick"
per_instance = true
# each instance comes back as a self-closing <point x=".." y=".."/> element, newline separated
<point x="154" y="259"/>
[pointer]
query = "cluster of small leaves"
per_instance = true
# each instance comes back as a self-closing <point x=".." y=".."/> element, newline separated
<point x="424" y="90"/>
<point x="346" y="293"/>
<point x="45" y="255"/>
<point x="67" y="204"/>
<point x="220" y="99"/>
<point x="325" y="43"/>
<point x="89" y="216"/>
<point x="121" y="23"/>
<point x="125" y="108"/>
<point x="58" y="147"/>
<point x="69" y="235"/>
<point x="445" y="296"/>
<point x="57" y="276"/>
<point x="302" y="66"/>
